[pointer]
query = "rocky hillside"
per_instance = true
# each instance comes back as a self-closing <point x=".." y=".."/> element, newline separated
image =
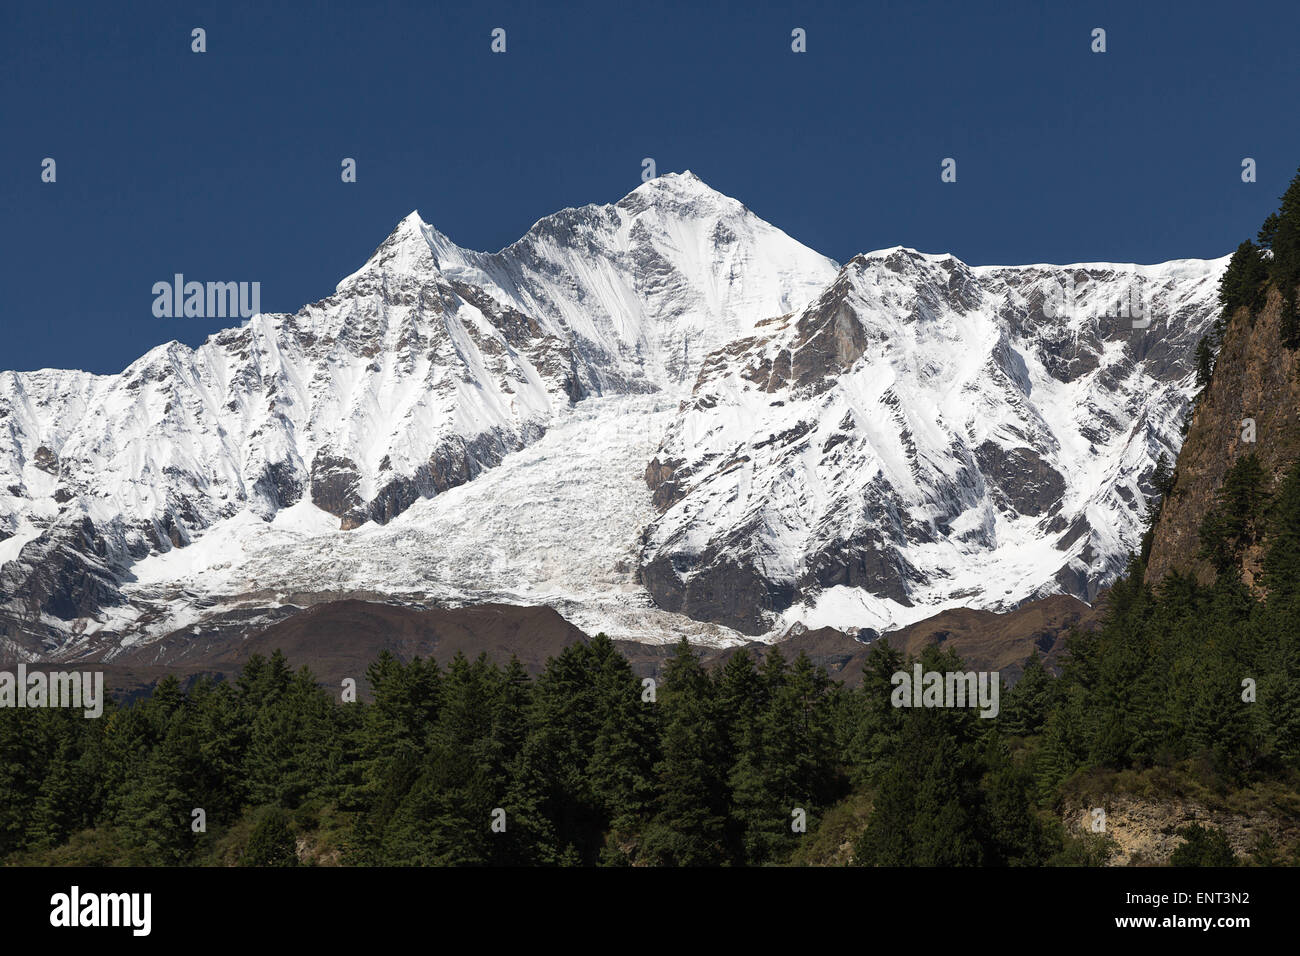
<point x="1255" y="381"/>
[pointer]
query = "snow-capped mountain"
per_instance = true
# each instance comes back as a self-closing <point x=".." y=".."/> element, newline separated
<point x="853" y="446"/>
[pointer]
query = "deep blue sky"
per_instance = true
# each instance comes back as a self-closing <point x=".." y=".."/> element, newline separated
<point x="225" y="165"/>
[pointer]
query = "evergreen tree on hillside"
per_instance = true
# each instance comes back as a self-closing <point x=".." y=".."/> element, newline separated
<point x="624" y="751"/>
<point x="155" y="812"/>
<point x="1282" y="555"/>
<point x="870" y="726"/>
<point x="1011" y="832"/>
<point x="927" y="806"/>
<point x="63" y="803"/>
<point x="223" y="742"/>
<point x="1233" y="523"/>
<point x="1285" y="266"/>
<point x="529" y="838"/>
<point x="289" y="747"/>
<point x="263" y="681"/>
<point x="23" y="766"/>
<point x="446" y="817"/>
<point x="785" y="756"/>
<point x="1202" y="847"/>
<point x="1243" y="282"/>
<point x="1204" y="363"/>
<point x="552" y="771"/>
<point x="1025" y="707"/>
<point x="272" y="842"/>
<point x="741" y="697"/>
<point x="1267" y="231"/>
<point x="690" y="826"/>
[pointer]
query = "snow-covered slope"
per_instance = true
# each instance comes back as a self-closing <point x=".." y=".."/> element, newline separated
<point x="428" y="365"/>
<point x="926" y="435"/>
<point x="853" y="446"/>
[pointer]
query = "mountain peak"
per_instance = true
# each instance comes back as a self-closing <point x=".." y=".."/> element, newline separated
<point x="677" y="188"/>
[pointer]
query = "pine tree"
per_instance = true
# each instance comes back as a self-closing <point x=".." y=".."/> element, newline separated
<point x="1026" y="706"/>
<point x="155" y="813"/>
<point x="1268" y="231"/>
<point x="23" y="765"/>
<point x="446" y="817"/>
<point x="288" y="757"/>
<point x="1204" y="363"/>
<point x="1285" y="266"/>
<point x="690" y="827"/>
<point x="1012" y="833"/>
<point x="222" y="788"/>
<point x="625" y="747"/>
<point x="1282" y="556"/>
<point x="552" y="771"/>
<point x="1202" y="847"/>
<point x="62" y="802"/>
<point x="927" y="809"/>
<point x="272" y="842"/>
<point x="872" y="727"/>
<point x="1242" y="283"/>
<point x="1232" y="524"/>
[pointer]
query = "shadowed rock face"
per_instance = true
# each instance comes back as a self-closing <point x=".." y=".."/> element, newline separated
<point x="1021" y="480"/>
<point x="64" y="576"/>
<point x="718" y="588"/>
<point x="334" y="482"/>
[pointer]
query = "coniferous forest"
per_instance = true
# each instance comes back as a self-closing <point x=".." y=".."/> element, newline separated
<point x="710" y="772"/>
<point x="1187" y="690"/>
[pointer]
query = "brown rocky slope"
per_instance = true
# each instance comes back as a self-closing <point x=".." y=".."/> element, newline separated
<point x="1254" y="379"/>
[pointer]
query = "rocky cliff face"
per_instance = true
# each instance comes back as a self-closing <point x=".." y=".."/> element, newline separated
<point x="1145" y="830"/>
<point x="1254" y="383"/>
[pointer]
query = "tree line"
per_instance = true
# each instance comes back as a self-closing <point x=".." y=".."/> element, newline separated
<point x="582" y="765"/>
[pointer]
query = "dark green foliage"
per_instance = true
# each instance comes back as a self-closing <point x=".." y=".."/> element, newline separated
<point x="1026" y="707"/>
<point x="784" y="755"/>
<point x="272" y="842"/>
<point x="1282" y="556"/>
<point x="690" y="826"/>
<point x="1204" y="363"/>
<point x="1202" y="847"/>
<point x="1243" y="282"/>
<point x="1232" y="524"/>
<point x="929" y="801"/>
<point x="1267" y="231"/>
<point x="1251" y="270"/>
<point x="949" y="792"/>
<point x="1285" y="266"/>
